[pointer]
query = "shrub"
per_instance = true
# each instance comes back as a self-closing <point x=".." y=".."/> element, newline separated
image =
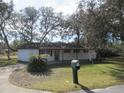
<point x="102" y="53"/>
<point x="37" y="64"/>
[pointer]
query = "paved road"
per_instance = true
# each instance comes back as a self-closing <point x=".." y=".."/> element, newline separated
<point x="113" y="89"/>
<point x="6" y="87"/>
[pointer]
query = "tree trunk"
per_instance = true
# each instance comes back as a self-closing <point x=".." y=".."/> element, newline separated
<point x="8" y="54"/>
<point x="78" y="38"/>
<point x="78" y="43"/>
<point x="7" y="43"/>
<point x="76" y="54"/>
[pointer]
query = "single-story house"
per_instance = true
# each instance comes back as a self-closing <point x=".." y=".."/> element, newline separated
<point x="57" y="53"/>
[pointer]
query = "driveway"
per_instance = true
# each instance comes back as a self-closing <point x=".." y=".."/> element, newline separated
<point x="113" y="89"/>
<point x="6" y="87"/>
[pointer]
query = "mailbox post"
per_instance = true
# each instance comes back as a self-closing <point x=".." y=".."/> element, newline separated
<point x="75" y="67"/>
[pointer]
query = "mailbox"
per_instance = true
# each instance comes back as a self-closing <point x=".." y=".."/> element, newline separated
<point x="75" y="67"/>
<point x="75" y="64"/>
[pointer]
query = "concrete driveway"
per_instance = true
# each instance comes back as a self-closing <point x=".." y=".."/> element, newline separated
<point x="113" y="89"/>
<point x="6" y="87"/>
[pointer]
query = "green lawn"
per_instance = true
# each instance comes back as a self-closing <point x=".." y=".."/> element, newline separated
<point x="59" y="79"/>
<point x="5" y="62"/>
<point x="90" y="76"/>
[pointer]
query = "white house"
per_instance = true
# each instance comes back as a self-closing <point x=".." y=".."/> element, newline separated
<point x="25" y="54"/>
<point x="56" y="53"/>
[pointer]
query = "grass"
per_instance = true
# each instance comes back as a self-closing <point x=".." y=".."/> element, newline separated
<point x="59" y="79"/>
<point x="90" y="76"/>
<point x="4" y="61"/>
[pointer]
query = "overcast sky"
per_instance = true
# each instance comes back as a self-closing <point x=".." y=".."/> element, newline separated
<point x="65" y="6"/>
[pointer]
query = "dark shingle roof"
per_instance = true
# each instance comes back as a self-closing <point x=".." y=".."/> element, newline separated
<point x="29" y="46"/>
<point x="57" y="45"/>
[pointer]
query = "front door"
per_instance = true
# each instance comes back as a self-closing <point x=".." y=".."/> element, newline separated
<point x="56" y="55"/>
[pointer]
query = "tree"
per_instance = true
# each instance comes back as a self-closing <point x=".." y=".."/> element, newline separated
<point x="95" y="25"/>
<point x="25" y="24"/>
<point x="105" y="20"/>
<point x="50" y="22"/>
<point x="75" y="24"/>
<point x="115" y="11"/>
<point x="6" y="10"/>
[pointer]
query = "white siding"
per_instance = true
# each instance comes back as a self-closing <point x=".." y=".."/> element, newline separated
<point x="92" y="54"/>
<point x="24" y="54"/>
<point x="69" y="56"/>
<point x="50" y="58"/>
<point x="81" y="55"/>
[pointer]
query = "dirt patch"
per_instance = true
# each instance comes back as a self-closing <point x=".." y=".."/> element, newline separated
<point x="23" y="78"/>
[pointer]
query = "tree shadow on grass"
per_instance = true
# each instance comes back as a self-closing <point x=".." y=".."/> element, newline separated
<point x="86" y="89"/>
<point x="117" y="72"/>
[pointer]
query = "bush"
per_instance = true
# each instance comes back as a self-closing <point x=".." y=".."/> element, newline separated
<point x="102" y="53"/>
<point x="37" y="64"/>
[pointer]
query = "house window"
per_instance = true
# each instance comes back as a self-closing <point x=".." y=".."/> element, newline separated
<point x="46" y="52"/>
<point x="76" y="51"/>
<point x="85" y="51"/>
<point x="42" y="51"/>
<point x="67" y="51"/>
<point x="49" y="52"/>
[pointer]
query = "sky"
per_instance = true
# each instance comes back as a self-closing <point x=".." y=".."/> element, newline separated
<point x="67" y="7"/>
